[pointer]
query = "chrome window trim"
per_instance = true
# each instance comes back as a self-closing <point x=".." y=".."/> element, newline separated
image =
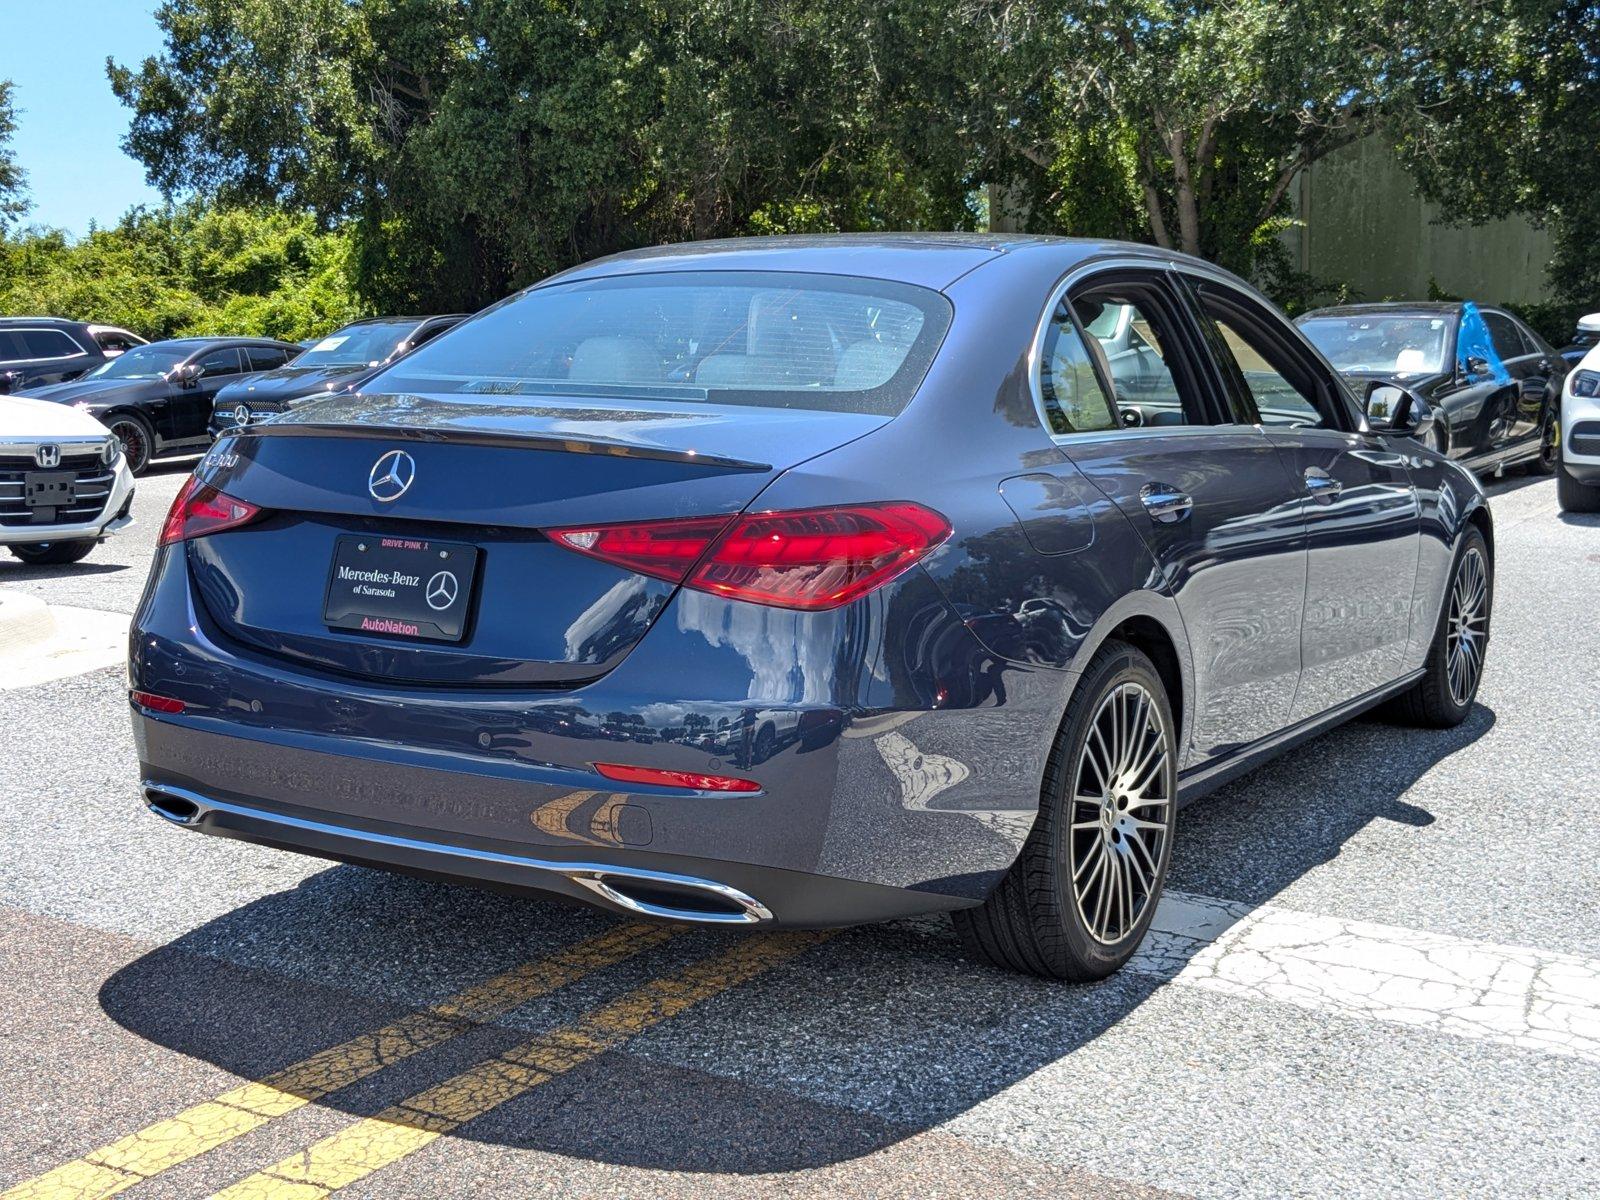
<point x="80" y="353"/>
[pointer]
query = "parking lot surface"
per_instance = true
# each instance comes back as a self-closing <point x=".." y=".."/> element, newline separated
<point x="1377" y="973"/>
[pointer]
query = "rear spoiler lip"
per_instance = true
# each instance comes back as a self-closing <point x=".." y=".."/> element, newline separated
<point x="482" y="437"/>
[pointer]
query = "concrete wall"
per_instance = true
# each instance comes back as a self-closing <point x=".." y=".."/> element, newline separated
<point x="1364" y="224"/>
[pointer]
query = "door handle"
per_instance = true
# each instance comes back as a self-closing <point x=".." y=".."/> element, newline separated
<point x="1165" y="503"/>
<point x="1321" y="485"/>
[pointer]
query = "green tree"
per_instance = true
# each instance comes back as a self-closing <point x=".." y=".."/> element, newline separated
<point x="13" y="180"/>
<point x="187" y="270"/>
<point x="481" y="144"/>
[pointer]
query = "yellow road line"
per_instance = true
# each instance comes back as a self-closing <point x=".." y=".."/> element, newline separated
<point x="370" y="1145"/>
<point x="156" y="1148"/>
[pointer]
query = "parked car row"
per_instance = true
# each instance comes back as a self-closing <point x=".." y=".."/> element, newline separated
<point x="1497" y="394"/>
<point x="91" y="406"/>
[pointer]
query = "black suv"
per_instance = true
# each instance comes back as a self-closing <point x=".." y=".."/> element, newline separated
<point x="340" y="361"/>
<point x="35" y="351"/>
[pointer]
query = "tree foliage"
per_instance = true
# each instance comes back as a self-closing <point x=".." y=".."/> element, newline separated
<point x="187" y="270"/>
<point x="13" y="181"/>
<point x="1519" y="130"/>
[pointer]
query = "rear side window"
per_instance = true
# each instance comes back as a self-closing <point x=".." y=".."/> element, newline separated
<point x="115" y="341"/>
<point x="47" y="343"/>
<point x="778" y="340"/>
<point x="266" y="358"/>
<point x="1069" y="389"/>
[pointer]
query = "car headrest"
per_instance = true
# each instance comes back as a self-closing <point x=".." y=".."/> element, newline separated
<point x="615" y="360"/>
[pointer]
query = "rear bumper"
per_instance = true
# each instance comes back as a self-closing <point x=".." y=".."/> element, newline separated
<point x="653" y="886"/>
<point x="871" y="806"/>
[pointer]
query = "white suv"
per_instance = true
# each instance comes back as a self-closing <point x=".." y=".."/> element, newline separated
<point x="64" y="486"/>
<point x="1578" y="485"/>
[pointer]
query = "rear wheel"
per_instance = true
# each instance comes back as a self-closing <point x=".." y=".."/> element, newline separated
<point x="1454" y="666"/>
<point x="42" y="554"/>
<point x="1078" y="900"/>
<point x="138" y="441"/>
<point x="1575" y="496"/>
<point x="1549" y="457"/>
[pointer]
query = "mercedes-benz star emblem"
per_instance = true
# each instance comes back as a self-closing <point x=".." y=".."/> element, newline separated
<point x="48" y="455"/>
<point x="442" y="591"/>
<point x="241" y="414"/>
<point x="390" y="476"/>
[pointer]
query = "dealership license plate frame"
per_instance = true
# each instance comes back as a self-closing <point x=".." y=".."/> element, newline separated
<point x="412" y="613"/>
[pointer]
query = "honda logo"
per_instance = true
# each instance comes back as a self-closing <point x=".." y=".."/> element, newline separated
<point x="48" y="455"/>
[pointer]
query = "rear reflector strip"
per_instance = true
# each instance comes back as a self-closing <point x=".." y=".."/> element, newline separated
<point x="160" y="704"/>
<point x="676" y="779"/>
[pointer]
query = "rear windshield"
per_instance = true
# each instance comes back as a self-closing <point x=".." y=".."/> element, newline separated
<point x="776" y="340"/>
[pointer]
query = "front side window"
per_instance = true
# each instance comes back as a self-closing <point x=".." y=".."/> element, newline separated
<point x="1070" y="390"/>
<point x="1261" y="367"/>
<point x="220" y="362"/>
<point x="1508" y="340"/>
<point x="766" y="339"/>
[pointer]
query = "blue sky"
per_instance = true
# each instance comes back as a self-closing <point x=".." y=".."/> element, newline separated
<point x="70" y="126"/>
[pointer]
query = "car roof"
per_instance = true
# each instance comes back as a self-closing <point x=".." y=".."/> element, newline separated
<point x="1432" y="308"/>
<point x="932" y="260"/>
<point x="404" y="318"/>
<point x="200" y="343"/>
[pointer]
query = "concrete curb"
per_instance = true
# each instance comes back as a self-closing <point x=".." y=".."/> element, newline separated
<point x="26" y="622"/>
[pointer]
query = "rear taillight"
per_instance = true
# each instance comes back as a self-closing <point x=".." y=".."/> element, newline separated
<point x="810" y="558"/>
<point x="200" y="509"/>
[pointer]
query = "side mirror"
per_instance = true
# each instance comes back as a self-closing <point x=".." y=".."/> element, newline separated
<point x="1476" y="365"/>
<point x="1589" y="324"/>
<point x="1394" y="410"/>
<point x="186" y="375"/>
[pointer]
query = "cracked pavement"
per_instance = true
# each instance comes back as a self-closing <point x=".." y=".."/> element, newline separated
<point x="1376" y="973"/>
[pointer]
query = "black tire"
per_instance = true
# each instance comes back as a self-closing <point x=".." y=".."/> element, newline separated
<point x="1033" y="921"/>
<point x="1575" y="496"/>
<point x="52" y="554"/>
<point x="1549" y="456"/>
<point x="1433" y="703"/>
<point x="137" y="438"/>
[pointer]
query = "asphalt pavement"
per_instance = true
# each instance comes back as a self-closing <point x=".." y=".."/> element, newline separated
<point x="1377" y="974"/>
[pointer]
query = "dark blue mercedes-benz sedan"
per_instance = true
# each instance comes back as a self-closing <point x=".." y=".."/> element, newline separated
<point x="808" y="581"/>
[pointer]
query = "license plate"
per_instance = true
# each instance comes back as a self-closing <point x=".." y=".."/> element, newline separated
<point x="48" y="489"/>
<point x="406" y="588"/>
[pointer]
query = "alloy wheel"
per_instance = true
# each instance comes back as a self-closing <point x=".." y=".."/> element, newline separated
<point x="1121" y="813"/>
<point x="1468" y="626"/>
<point x="134" y="446"/>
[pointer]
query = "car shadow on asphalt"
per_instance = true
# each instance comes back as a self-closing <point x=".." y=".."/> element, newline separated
<point x="875" y="1035"/>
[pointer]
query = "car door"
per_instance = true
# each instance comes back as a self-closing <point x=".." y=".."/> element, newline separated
<point x="1353" y="491"/>
<point x="191" y="406"/>
<point x="1531" y="370"/>
<point x="1213" y="504"/>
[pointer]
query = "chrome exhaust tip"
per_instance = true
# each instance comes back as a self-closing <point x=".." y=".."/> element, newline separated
<point x="178" y="810"/>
